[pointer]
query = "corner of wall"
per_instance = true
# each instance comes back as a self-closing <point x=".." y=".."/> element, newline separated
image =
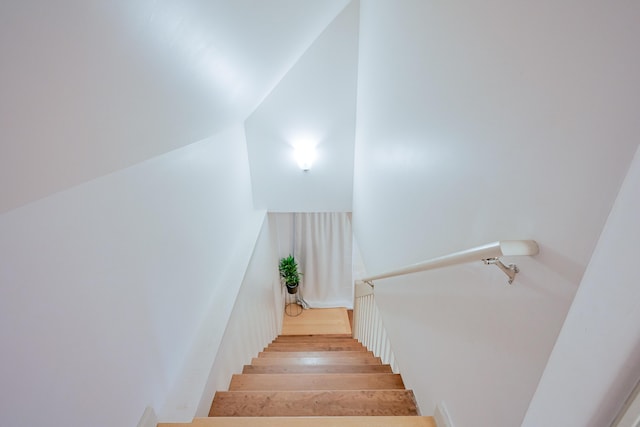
<point x="149" y="418"/>
<point x="442" y="417"/>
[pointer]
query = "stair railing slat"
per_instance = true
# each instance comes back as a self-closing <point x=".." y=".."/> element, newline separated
<point x="369" y="327"/>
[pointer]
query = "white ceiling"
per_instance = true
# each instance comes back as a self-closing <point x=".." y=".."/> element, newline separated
<point x="90" y="87"/>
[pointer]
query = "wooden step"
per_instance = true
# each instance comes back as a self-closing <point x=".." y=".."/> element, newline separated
<point x="313" y="403"/>
<point x="308" y="346"/>
<point x="266" y="382"/>
<point x="285" y="354"/>
<point x="313" y="381"/>
<point x="316" y="341"/>
<point x="330" y="360"/>
<point x="380" y="421"/>
<point x="296" y="336"/>
<point x="312" y="338"/>
<point x="317" y="369"/>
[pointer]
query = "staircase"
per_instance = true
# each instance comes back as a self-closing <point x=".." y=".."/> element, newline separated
<point x="303" y="380"/>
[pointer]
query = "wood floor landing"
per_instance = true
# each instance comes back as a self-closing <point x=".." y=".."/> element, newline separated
<point x="318" y="321"/>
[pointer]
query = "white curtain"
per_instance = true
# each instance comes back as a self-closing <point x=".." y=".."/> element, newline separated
<point x="323" y="250"/>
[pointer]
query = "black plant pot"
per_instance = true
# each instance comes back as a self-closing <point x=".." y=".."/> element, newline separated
<point x="292" y="289"/>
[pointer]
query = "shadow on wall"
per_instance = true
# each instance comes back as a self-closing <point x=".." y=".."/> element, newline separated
<point x="567" y="268"/>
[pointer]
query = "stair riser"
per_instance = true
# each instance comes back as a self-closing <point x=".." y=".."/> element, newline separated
<point x="298" y="336"/>
<point x="316" y="340"/>
<point x="314" y="403"/>
<point x="315" y="347"/>
<point x="298" y="354"/>
<point x="314" y="361"/>
<point x="292" y="382"/>
<point x="320" y="369"/>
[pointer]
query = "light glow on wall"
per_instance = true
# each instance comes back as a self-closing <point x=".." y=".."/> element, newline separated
<point x="304" y="153"/>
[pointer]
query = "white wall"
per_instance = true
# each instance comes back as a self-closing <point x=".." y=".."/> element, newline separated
<point x="316" y="101"/>
<point x="186" y="394"/>
<point x="478" y="122"/>
<point x="255" y="321"/>
<point x="594" y="364"/>
<point x="104" y="286"/>
<point x="284" y="237"/>
<point x="96" y="86"/>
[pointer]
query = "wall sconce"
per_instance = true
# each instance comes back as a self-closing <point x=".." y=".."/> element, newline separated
<point x="305" y="154"/>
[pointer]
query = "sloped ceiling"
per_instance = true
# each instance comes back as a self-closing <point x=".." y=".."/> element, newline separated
<point x="316" y="102"/>
<point x="88" y="87"/>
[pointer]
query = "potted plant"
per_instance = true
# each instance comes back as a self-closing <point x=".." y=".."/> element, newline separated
<point x="289" y="273"/>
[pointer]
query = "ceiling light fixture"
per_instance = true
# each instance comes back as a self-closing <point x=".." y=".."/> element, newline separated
<point x="305" y="154"/>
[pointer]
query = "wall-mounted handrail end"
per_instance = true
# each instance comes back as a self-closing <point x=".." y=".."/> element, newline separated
<point x="518" y="247"/>
<point x="511" y="270"/>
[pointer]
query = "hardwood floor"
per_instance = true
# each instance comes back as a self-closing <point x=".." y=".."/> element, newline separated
<point x="318" y="321"/>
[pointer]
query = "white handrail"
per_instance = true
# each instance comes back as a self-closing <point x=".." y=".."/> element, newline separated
<point x="489" y="253"/>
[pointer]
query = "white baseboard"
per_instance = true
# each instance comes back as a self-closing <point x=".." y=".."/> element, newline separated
<point x="149" y="418"/>
<point x="441" y="416"/>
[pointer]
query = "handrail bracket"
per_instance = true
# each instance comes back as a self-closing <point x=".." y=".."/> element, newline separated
<point x="511" y="270"/>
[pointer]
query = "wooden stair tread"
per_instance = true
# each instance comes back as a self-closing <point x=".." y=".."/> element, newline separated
<point x="316" y="369"/>
<point x="315" y="347"/>
<point x="332" y="360"/>
<point x="368" y="354"/>
<point x="266" y="382"/>
<point x="313" y="338"/>
<point x="313" y="403"/>
<point x="314" y="380"/>
<point x="379" y="421"/>
<point x="293" y="336"/>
